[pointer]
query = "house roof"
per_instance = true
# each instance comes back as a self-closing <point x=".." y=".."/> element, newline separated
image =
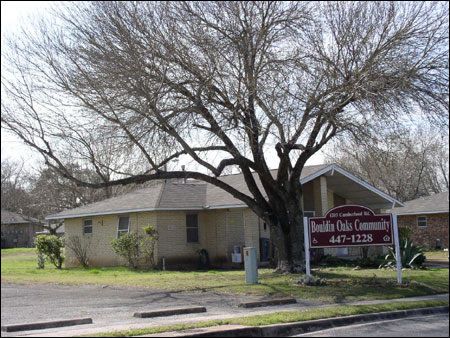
<point x="192" y="195"/>
<point x="434" y="204"/>
<point x="9" y="217"/>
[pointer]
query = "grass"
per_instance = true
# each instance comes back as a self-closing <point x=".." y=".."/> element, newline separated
<point x="279" y="317"/>
<point x="342" y="284"/>
<point x="439" y="255"/>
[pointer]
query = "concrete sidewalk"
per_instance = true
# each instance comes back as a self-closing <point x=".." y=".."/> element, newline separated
<point x="210" y="315"/>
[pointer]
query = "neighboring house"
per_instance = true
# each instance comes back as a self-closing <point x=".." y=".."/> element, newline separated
<point x="427" y="217"/>
<point x="59" y="231"/>
<point x="18" y="230"/>
<point x="194" y="215"/>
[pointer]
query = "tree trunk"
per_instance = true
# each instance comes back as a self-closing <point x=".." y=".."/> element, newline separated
<point x="287" y="237"/>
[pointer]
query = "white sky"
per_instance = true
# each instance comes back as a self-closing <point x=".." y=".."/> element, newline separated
<point x="14" y="14"/>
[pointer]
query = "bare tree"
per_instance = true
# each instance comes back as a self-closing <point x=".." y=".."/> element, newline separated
<point x="233" y="79"/>
<point x="405" y="164"/>
<point x="14" y="196"/>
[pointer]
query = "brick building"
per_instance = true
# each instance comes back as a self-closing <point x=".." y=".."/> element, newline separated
<point x="18" y="230"/>
<point x="195" y="215"/>
<point x="427" y="217"/>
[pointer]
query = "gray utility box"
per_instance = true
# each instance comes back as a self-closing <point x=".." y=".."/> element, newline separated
<point x="251" y="266"/>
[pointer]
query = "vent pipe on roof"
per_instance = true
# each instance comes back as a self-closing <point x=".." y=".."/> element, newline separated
<point x="183" y="167"/>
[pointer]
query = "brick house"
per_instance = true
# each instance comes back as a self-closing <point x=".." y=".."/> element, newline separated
<point x="427" y="217"/>
<point x="195" y="215"/>
<point x="18" y="230"/>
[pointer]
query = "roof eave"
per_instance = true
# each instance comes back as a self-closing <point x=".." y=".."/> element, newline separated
<point x="335" y="167"/>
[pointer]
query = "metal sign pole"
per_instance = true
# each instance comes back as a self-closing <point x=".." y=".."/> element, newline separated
<point x="306" y="240"/>
<point x="397" y="250"/>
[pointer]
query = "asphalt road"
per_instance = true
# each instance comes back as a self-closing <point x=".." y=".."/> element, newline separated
<point x="424" y="326"/>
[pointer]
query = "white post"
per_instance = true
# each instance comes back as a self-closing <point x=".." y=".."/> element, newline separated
<point x="306" y="240"/>
<point x="397" y="250"/>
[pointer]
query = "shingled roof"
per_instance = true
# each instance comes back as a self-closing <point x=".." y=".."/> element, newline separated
<point x="171" y="195"/>
<point x="177" y="195"/>
<point x="9" y="217"/>
<point x="437" y="203"/>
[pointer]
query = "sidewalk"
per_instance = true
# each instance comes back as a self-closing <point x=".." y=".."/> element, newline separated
<point x="97" y="328"/>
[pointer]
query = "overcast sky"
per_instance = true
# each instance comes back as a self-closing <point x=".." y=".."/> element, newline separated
<point x="15" y="14"/>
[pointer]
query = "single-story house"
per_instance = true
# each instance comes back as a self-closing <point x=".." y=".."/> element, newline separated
<point x="192" y="215"/>
<point x="427" y="218"/>
<point x="18" y="230"/>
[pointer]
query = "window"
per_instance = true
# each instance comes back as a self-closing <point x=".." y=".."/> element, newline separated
<point x="124" y="225"/>
<point x="87" y="226"/>
<point x="422" y="221"/>
<point x="342" y="252"/>
<point x="192" y="228"/>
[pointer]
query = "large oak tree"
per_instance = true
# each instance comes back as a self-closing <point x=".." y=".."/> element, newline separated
<point x="222" y="83"/>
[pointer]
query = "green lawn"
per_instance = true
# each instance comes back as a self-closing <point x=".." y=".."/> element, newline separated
<point x="279" y="317"/>
<point x="343" y="284"/>
<point x="440" y="255"/>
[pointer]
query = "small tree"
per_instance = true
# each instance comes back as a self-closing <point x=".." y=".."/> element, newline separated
<point x="80" y="249"/>
<point x="148" y="243"/>
<point x="127" y="246"/>
<point x="50" y="247"/>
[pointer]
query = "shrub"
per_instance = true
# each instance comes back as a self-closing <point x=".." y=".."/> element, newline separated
<point x="203" y="259"/>
<point x="127" y="246"/>
<point x="147" y="245"/>
<point x="135" y="247"/>
<point x="411" y="256"/>
<point x="40" y="260"/>
<point x="50" y="247"/>
<point x="80" y="249"/>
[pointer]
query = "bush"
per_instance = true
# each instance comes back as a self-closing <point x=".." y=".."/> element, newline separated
<point x="331" y="261"/>
<point x="80" y="249"/>
<point x="203" y="259"/>
<point x="127" y="246"/>
<point x="50" y="247"/>
<point x="411" y="256"/>
<point x="135" y="247"/>
<point x="147" y="245"/>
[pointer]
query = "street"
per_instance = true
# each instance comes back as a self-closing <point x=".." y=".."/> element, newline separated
<point x="424" y="326"/>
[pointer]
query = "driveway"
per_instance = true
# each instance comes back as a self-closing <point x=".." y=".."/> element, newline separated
<point x="111" y="307"/>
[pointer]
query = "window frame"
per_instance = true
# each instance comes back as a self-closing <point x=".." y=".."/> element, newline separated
<point x="119" y="231"/>
<point x="424" y="219"/>
<point x="191" y="228"/>
<point x="91" y="226"/>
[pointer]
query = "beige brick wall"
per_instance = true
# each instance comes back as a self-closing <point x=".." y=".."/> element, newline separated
<point x="251" y="232"/>
<point x="172" y="242"/>
<point x="104" y="230"/>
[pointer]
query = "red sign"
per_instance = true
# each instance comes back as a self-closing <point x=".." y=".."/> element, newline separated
<point x="350" y="225"/>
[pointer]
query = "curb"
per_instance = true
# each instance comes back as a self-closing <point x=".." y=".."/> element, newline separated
<point x="287" y="329"/>
<point x="282" y="301"/>
<point x="170" y="312"/>
<point x="45" y="325"/>
<point x="322" y="324"/>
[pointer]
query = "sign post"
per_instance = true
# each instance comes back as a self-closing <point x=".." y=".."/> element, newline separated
<point x="351" y="225"/>
<point x="306" y="238"/>
<point x="398" y="257"/>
